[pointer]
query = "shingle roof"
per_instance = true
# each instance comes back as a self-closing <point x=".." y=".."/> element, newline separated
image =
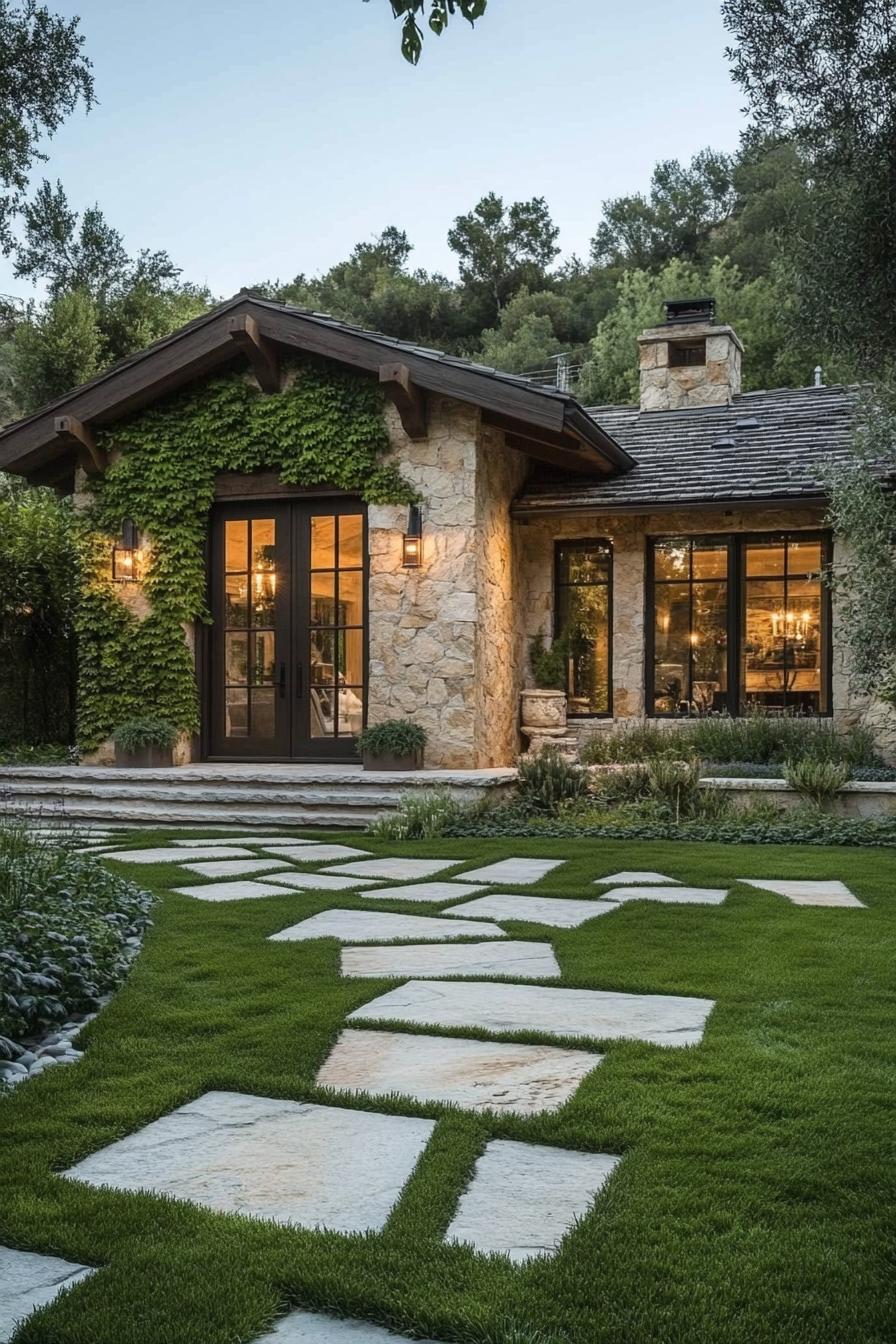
<point x="766" y="446"/>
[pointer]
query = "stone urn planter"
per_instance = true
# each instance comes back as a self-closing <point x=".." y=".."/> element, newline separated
<point x="545" y="711"/>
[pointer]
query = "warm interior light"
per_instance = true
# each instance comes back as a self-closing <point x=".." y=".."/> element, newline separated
<point x="412" y="542"/>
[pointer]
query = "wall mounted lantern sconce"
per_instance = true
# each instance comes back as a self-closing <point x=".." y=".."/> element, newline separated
<point x="412" y="542"/>
<point x="125" y="554"/>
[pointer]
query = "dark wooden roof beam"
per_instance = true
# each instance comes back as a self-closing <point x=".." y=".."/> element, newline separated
<point x="243" y="331"/>
<point x="409" y="399"/>
<point x="560" y="450"/>
<point x="76" y="435"/>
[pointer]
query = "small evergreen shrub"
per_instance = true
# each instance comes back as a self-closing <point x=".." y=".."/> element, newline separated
<point x="638" y="741"/>
<point x="818" y="781"/>
<point x="137" y="734"/>
<point x="395" y="737"/>
<point x="64" y="926"/>
<point x="547" y="782"/>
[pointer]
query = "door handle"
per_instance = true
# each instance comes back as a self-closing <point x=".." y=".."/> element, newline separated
<point x="282" y="682"/>
<point x="300" y="680"/>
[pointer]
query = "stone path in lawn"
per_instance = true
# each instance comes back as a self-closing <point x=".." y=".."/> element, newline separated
<point x="29" y="1281"/>
<point x="331" y="1166"/>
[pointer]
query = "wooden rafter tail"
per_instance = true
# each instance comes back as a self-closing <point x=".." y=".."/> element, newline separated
<point x="408" y="397"/>
<point x="244" y="332"/>
<point x="91" y="456"/>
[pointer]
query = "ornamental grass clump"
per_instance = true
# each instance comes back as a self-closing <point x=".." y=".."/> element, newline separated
<point x="817" y="781"/>
<point x="426" y="815"/>
<point x="67" y="931"/>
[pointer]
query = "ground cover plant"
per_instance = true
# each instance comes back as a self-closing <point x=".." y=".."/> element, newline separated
<point x="752" y="1204"/>
<point x="64" y="925"/>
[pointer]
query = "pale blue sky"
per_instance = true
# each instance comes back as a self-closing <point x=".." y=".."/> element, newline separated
<point x="257" y="140"/>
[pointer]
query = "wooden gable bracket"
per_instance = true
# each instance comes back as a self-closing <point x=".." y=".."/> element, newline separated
<point x="90" y="455"/>
<point x="409" y="399"/>
<point x="243" y="331"/>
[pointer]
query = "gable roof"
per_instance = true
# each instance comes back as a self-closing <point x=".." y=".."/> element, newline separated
<point x="765" y="448"/>
<point x="533" y="414"/>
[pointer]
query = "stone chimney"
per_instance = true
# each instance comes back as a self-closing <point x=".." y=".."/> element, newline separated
<point x="690" y="360"/>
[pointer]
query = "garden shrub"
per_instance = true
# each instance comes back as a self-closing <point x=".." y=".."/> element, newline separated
<point x="136" y="734"/>
<point x="548" y="781"/>
<point x="818" y="781"/>
<point x="632" y="742"/>
<point x="675" y="783"/>
<point x="420" y="816"/>
<point x="394" y="737"/>
<point x="64" y="926"/>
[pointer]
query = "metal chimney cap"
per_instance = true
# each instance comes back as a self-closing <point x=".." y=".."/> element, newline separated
<point x="689" y="310"/>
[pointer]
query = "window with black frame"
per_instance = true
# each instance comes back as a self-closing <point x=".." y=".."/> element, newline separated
<point x="739" y="623"/>
<point x="582" y="620"/>
<point x="690" y="625"/>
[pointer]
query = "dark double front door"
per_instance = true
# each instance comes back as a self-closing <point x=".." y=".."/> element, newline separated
<point x="289" y="635"/>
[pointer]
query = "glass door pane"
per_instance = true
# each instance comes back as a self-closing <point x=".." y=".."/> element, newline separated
<point x="334" y="644"/>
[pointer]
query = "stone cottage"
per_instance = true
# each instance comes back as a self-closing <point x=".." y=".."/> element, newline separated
<point x="675" y="546"/>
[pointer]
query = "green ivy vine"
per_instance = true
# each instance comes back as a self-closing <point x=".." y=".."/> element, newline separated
<point x="326" y="427"/>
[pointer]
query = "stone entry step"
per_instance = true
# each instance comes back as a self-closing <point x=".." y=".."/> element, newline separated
<point x="477" y="1075"/>
<point x="261" y="795"/>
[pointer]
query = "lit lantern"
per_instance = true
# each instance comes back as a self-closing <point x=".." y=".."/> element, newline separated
<point x="125" y="554"/>
<point x="412" y="543"/>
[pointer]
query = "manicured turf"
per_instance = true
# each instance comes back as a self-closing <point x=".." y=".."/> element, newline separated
<point x="755" y="1199"/>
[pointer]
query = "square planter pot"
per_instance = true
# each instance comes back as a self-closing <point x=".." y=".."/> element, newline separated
<point x="412" y="762"/>
<point x="146" y="757"/>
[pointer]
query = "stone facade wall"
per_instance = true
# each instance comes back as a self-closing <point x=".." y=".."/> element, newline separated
<point x="499" y="662"/>
<point x="628" y="536"/>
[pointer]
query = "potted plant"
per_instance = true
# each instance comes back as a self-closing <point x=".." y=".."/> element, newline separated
<point x="396" y="744"/>
<point x="144" y="742"/>
<point x="545" y="706"/>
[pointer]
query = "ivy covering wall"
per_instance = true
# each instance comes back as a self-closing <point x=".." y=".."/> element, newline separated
<point x="326" y="428"/>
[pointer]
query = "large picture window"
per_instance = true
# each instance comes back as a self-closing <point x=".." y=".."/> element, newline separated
<point x="738" y="622"/>
<point x="582" y="618"/>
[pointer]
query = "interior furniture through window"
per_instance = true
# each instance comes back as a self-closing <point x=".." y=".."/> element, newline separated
<point x="582" y="616"/>
<point x="738" y="622"/>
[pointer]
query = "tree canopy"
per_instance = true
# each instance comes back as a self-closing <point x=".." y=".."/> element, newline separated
<point x="44" y="74"/>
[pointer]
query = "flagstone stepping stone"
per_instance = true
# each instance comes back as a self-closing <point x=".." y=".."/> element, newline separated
<point x="664" y="1019"/>
<point x="478" y="1075"/>
<point x="625" y="878"/>
<point x="314" y="853"/>
<point x="287" y="1161"/>
<point x="808" y="893"/>
<point x="230" y="891"/>
<point x="375" y="926"/>
<point x="670" y="895"/>
<point x="553" y="910"/>
<point x="395" y="869"/>
<point x="242" y="840"/>
<point x="321" y="881"/>
<point x="309" y="1327"/>
<point x="176" y="855"/>
<point x="525" y="1197"/>
<point x="425" y="891"/>
<point x="515" y="872"/>
<point x="234" y="867"/>
<point x="523" y="961"/>
<point x="29" y="1281"/>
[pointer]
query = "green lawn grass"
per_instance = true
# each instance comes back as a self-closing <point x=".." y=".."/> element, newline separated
<point x="755" y="1199"/>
